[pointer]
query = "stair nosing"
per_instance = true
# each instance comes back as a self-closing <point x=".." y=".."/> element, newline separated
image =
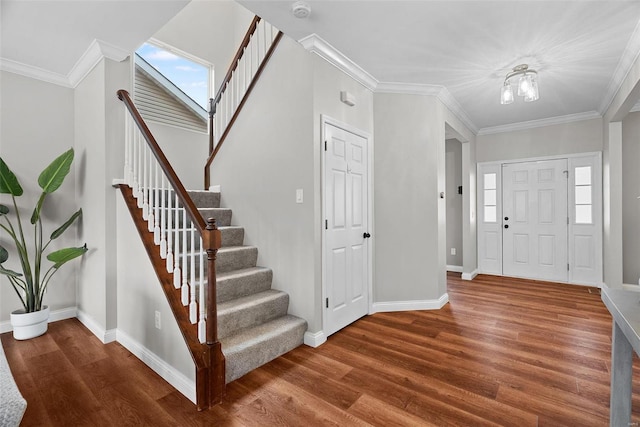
<point x="241" y="303"/>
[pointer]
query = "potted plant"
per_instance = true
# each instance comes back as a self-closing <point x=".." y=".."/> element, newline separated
<point x="31" y="284"/>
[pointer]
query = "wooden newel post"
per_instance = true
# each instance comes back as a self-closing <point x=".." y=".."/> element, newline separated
<point x="212" y="241"/>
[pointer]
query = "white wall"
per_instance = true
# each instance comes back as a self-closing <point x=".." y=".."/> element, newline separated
<point x="576" y="137"/>
<point x="186" y="150"/>
<point x="453" y="151"/>
<point x="267" y="156"/>
<point x="409" y="151"/>
<point x="630" y="201"/>
<point x="99" y="127"/>
<point x="210" y="30"/>
<point x="328" y="82"/>
<point x="36" y="126"/>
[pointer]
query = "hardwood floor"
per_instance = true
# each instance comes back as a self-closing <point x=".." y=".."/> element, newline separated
<point x="503" y="352"/>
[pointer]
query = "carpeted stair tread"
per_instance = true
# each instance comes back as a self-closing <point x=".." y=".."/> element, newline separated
<point x="236" y="258"/>
<point x="232" y="235"/>
<point x="253" y="347"/>
<point x="240" y="283"/>
<point x="205" y="199"/>
<point x="251" y="310"/>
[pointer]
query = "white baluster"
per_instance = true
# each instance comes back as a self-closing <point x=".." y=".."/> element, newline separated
<point x="156" y="215"/>
<point x="202" y="328"/>
<point x="150" y="194"/>
<point x="193" y="306"/>
<point x="185" y="282"/>
<point x="169" y="232"/>
<point x="127" y="143"/>
<point x="138" y="165"/>
<point x="177" y="274"/>
<point x="145" y="185"/>
<point x="163" y="218"/>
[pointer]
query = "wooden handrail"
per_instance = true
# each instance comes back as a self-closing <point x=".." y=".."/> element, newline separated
<point x="235" y="61"/>
<point x="208" y="357"/>
<point x="212" y="155"/>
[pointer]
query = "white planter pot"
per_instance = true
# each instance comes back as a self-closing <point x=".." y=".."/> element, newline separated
<point x="29" y="325"/>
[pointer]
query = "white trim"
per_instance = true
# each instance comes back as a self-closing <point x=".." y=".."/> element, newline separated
<point x="315" y="44"/>
<point x="542" y="158"/>
<point x="171" y="375"/>
<point x="96" y="51"/>
<point x="215" y="188"/>
<point x="629" y="287"/>
<point x="550" y="121"/>
<point x="117" y="181"/>
<point x="441" y="92"/>
<point x="54" y="316"/>
<point x="628" y="58"/>
<point x="470" y="276"/>
<point x="314" y="339"/>
<point x="434" y="304"/>
<point x="454" y="268"/>
<point x="34" y="72"/>
<point x="106" y="336"/>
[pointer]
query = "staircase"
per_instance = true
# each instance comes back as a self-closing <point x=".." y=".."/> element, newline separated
<point x="253" y="325"/>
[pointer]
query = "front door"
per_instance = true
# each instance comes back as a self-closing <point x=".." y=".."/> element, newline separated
<point x="346" y="227"/>
<point x="534" y="235"/>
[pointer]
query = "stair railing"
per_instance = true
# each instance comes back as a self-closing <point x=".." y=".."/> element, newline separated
<point x="246" y="67"/>
<point x="176" y="238"/>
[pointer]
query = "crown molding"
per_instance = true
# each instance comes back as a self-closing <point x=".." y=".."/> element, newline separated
<point x="96" y="51"/>
<point x="441" y="92"/>
<point x="558" y="120"/>
<point x="629" y="57"/>
<point x="33" y="72"/>
<point x="315" y="44"/>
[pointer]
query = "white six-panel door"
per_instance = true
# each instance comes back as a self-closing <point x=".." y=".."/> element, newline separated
<point x="535" y="220"/>
<point x="346" y="223"/>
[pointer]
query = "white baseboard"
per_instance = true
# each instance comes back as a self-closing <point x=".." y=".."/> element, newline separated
<point x="54" y="316"/>
<point x="434" y="304"/>
<point x="454" y="268"/>
<point x="629" y="287"/>
<point x="314" y="339"/>
<point x="214" y="188"/>
<point x="177" y="379"/>
<point x="470" y="276"/>
<point x="106" y="336"/>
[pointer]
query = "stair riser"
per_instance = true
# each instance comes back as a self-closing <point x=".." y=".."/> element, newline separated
<point x="236" y="287"/>
<point x="252" y="315"/>
<point x="222" y="217"/>
<point x="250" y="357"/>
<point x="237" y="259"/>
<point x="202" y="199"/>
<point x="230" y="237"/>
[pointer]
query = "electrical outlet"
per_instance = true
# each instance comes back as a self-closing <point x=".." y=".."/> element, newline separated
<point x="158" y="320"/>
<point x="453" y="251"/>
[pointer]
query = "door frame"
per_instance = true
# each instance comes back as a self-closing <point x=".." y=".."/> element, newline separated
<point x="324" y="121"/>
<point x="594" y="159"/>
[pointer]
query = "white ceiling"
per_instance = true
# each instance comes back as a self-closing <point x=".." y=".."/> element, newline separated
<point x="581" y="48"/>
<point x="469" y="46"/>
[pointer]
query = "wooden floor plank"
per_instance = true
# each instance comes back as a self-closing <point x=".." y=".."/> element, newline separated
<point x="509" y="352"/>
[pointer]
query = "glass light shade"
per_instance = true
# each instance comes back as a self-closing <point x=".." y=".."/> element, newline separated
<point x="524" y="84"/>
<point x="506" y="96"/>
<point x="532" y="94"/>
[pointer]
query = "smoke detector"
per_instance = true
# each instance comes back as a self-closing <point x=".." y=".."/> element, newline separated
<point x="301" y="9"/>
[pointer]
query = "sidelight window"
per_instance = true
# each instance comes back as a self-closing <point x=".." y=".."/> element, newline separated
<point x="490" y="197"/>
<point x="583" y="195"/>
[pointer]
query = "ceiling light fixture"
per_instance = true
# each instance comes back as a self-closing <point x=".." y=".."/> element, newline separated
<point x="527" y="85"/>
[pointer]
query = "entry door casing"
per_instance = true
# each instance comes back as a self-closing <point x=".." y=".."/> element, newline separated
<point x="535" y="220"/>
<point x="346" y="222"/>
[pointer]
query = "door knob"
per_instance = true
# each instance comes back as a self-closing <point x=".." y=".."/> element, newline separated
<point x="366" y="235"/>
<point x="506" y="218"/>
<point x="506" y="226"/>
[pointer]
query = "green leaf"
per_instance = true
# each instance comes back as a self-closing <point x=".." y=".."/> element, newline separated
<point x="8" y="181"/>
<point x="4" y="210"/>
<point x="36" y="211"/>
<point x="52" y="177"/>
<point x="4" y="255"/>
<point x="62" y="256"/>
<point x="66" y="225"/>
<point x="9" y="272"/>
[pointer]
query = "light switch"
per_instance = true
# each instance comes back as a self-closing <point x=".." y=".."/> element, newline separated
<point x="299" y="195"/>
